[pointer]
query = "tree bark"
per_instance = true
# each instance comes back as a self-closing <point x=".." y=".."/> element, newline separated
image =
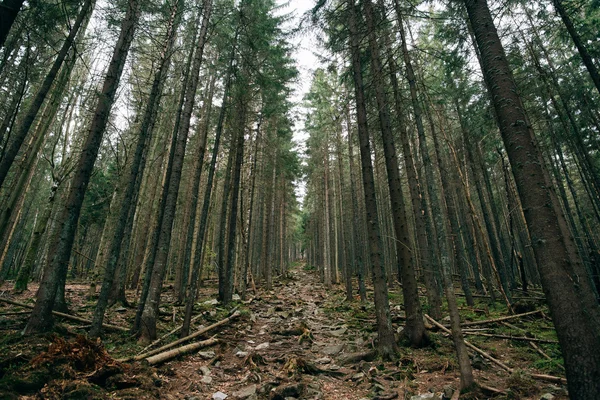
<point x="387" y="344"/>
<point x="571" y="299"/>
<point x="41" y="317"/>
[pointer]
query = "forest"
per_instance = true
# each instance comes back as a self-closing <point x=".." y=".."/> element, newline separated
<point x="328" y="199"/>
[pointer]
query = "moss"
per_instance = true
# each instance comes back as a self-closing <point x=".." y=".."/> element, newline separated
<point x="521" y="384"/>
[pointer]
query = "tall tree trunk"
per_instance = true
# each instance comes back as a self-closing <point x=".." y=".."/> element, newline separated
<point x="136" y="165"/>
<point x="583" y="52"/>
<point x="9" y="9"/>
<point x="41" y="316"/>
<point x="571" y="299"/>
<point x="35" y="105"/>
<point x="387" y="344"/>
<point x="196" y="267"/>
<point x="150" y="313"/>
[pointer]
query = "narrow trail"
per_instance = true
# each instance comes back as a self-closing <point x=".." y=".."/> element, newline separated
<point x="291" y="346"/>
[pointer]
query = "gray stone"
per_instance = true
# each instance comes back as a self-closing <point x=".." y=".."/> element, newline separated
<point x="236" y="297"/>
<point x="205" y="370"/>
<point x="207" y="379"/>
<point x="333" y="350"/>
<point x="448" y="392"/>
<point x="426" y="396"/>
<point x="212" y="302"/>
<point x="207" y="355"/>
<point x="357" y="377"/>
<point x="262" y="346"/>
<point x="547" y="396"/>
<point x="219" y="396"/>
<point x="242" y="354"/>
<point x="245" y="393"/>
<point x="339" y="332"/>
<point x="323" y="360"/>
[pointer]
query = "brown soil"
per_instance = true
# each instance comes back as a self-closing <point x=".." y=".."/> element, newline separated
<point x="298" y="340"/>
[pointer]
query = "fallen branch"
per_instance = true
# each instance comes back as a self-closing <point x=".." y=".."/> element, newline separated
<point x="522" y="338"/>
<point x="491" y="321"/>
<point x="182" y="340"/>
<point x="160" y="339"/>
<point x="67" y="316"/>
<point x="168" y="355"/>
<point x="15" y="313"/>
<point x="549" y="378"/>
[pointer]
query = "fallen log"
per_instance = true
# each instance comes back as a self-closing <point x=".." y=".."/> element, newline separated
<point x="548" y="378"/>
<point x="188" y="348"/>
<point x="67" y="316"/>
<point x="182" y="340"/>
<point x="160" y="339"/>
<point x="491" y="321"/>
<point x="521" y="338"/>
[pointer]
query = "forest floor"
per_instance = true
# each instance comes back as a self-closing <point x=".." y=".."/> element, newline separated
<point x="298" y="341"/>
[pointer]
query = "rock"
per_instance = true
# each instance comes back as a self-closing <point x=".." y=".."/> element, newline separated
<point x="205" y="370"/>
<point x="547" y="396"/>
<point x="333" y="350"/>
<point x="448" y="392"/>
<point x="206" y="355"/>
<point x="242" y="354"/>
<point x="334" y="367"/>
<point x="207" y="379"/>
<point x="245" y="393"/>
<point x="219" y="396"/>
<point x="290" y="391"/>
<point x="426" y="396"/>
<point x="446" y="319"/>
<point x="323" y="360"/>
<point x="212" y="302"/>
<point x="120" y="309"/>
<point x="339" y="332"/>
<point x="236" y="297"/>
<point x="262" y="346"/>
<point x="478" y="362"/>
<point x="357" y="377"/>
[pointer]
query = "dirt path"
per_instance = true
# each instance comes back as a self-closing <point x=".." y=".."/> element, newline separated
<point x="267" y="351"/>
<point x="298" y="341"/>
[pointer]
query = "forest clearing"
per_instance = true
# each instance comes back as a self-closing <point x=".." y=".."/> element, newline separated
<point x="311" y="199"/>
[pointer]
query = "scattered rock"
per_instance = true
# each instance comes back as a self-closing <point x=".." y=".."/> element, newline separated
<point x="338" y="332"/>
<point x="236" y="297"/>
<point x="547" y="396"/>
<point x="242" y="354"/>
<point x="206" y="355"/>
<point x="205" y="370"/>
<point x="358" y="377"/>
<point x="448" y="392"/>
<point x="219" y="396"/>
<point x="294" y="391"/>
<point x="207" y="379"/>
<point x="262" y="346"/>
<point x="333" y="350"/>
<point x="245" y="393"/>
<point x="212" y="302"/>
<point x="426" y="396"/>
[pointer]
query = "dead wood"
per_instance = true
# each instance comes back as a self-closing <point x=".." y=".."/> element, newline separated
<point x="521" y="338"/>
<point x="491" y="321"/>
<point x="168" y="355"/>
<point x="67" y="316"/>
<point x="199" y="332"/>
<point x="549" y="378"/>
<point x="160" y="339"/>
